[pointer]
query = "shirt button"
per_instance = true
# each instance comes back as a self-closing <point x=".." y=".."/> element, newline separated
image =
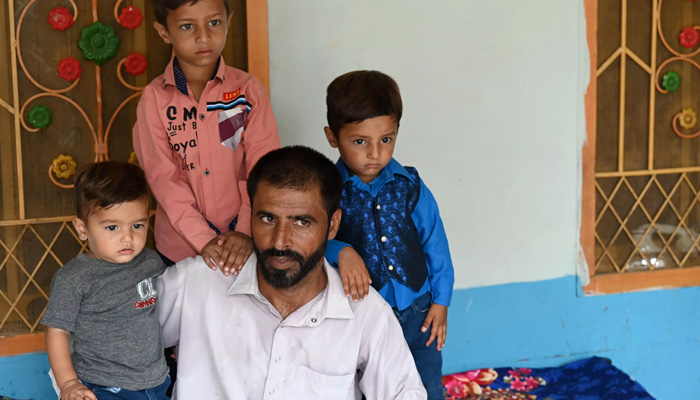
<point x="278" y="359"/>
<point x="201" y="116"/>
<point x="391" y="268"/>
<point x="272" y="391"/>
<point x="313" y="320"/>
<point x="379" y="207"/>
<point x="206" y="172"/>
<point x="383" y="238"/>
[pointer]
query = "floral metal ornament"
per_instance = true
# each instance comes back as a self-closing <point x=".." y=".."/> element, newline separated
<point x="136" y="64"/>
<point x="63" y="166"/>
<point x="130" y="17"/>
<point x="671" y="81"/>
<point x="98" y="42"/>
<point x="133" y="159"/>
<point x="689" y="37"/>
<point x="688" y="118"/>
<point x="60" y="18"/>
<point x="40" y="117"/>
<point x="69" y="69"/>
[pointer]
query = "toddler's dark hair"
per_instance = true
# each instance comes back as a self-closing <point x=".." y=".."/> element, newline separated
<point x="360" y="95"/>
<point x="161" y="8"/>
<point x="107" y="183"/>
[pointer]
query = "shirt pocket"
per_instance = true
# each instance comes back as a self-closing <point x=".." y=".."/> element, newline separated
<point x="310" y="384"/>
<point x="231" y="126"/>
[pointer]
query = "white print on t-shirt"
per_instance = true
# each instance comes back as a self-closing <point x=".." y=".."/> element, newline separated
<point x="147" y="293"/>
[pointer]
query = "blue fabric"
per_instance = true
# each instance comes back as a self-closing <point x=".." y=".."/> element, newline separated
<point x="380" y="230"/>
<point x="427" y="358"/>
<point x="231" y="225"/>
<point x="426" y="218"/>
<point x="111" y="393"/>
<point x="593" y="378"/>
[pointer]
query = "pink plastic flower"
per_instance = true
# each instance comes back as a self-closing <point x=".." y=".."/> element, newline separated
<point x="60" y="18"/>
<point x="689" y="37"/>
<point x="526" y="371"/>
<point x="69" y="69"/>
<point x="130" y="17"/>
<point x="514" y="374"/>
<point x="136" y="64"/>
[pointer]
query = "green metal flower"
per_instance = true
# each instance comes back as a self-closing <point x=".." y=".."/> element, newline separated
<point x="40" y="117"/>
<point x="98" y="42"/>
<point x="671" y="81"/>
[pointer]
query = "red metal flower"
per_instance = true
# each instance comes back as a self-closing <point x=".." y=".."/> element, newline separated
<point x="60" y="18"/>
<point x="136" y="64"/>
<point x="130" y="17"/>
<point x="69" y="69"/>
<point x="689" y="37"/>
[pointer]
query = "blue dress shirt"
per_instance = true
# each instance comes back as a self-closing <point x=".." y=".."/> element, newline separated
<point x="426" y="218"/>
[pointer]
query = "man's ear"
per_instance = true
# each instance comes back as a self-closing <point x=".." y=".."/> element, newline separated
<point x="162" y="32"/>
<point x="330" y="136"/>
<point x="335" y="224"/>
<point x="81" y="228"/>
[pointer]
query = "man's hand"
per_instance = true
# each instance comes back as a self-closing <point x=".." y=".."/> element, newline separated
<point x="354" y="273"/>
<point x="437" y="316"/>
<point x="74" y="390"/>
<point x="228" y="252"/>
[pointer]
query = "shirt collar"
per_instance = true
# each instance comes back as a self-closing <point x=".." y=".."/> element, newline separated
<point x="332" y="302"/>
<point x="174" y="75"/>
<point x="386" y="175"/>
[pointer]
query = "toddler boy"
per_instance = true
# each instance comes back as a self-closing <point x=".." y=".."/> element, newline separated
<point x="390" y="217"/>
<point x="104" y="300"/>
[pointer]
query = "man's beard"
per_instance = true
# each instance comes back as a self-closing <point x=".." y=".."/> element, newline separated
<point x="286" y="278"/>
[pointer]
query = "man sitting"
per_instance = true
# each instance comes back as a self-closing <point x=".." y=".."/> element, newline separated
<point x="283" y="328"/>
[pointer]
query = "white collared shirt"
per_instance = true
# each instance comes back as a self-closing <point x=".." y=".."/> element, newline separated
<point x="233" y="344"/>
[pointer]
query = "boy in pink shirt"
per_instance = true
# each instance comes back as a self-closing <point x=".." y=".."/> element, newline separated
<point x="201" y="126"/>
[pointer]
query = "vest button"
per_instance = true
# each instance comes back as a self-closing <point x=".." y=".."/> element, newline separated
<point x="391" y="268"/>
<point x="379" y="207"/>
<point x="383" y="238"/>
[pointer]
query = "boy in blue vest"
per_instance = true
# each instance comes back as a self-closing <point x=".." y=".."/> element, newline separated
<point x="390" y="217"/>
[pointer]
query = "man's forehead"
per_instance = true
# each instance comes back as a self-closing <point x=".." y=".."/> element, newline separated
<point x="270" y="196"/>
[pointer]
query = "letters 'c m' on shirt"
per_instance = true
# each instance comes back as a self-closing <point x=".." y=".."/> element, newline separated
<point x="197" y="155"/>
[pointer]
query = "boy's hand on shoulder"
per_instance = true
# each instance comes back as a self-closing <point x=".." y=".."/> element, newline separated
<point x="74" y="390"/>
<point x="437" y="317"/>
<point x="354" y="273"/>
<point x="236" y="247"/>
<point x="211" y="253"/>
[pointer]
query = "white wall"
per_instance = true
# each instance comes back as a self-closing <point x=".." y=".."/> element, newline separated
<point x="491" y="93"/>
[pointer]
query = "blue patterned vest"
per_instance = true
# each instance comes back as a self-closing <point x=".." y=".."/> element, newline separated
<point x="382" y="231"/>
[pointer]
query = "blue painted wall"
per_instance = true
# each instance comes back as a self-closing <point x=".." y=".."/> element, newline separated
<point x="654" y="336"/>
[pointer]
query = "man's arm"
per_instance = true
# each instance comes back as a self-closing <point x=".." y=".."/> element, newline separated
<point x="58" y="350"/>
<point x="388" y="369"/>
<point x="171" y="289"/>
<point x="163" y="171"/>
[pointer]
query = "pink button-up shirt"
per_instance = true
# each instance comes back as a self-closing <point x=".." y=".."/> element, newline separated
<point x="197" y="155"/>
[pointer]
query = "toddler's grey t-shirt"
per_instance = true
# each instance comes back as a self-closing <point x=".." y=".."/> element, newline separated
<point x="110" y="311"/>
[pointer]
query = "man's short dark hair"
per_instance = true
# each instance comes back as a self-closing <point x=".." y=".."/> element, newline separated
<point x="299" y="168"/>
<point x="360" y="95"/>
<point x="107" y="183"/>
<point x="161" y="8"/>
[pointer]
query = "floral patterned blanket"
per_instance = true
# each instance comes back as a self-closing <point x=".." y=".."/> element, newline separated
<point x="592" y="378"/>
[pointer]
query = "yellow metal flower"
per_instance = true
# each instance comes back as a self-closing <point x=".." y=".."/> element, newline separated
<point x="133" y="159"/>
<point x="64" y="166"/>
<point x="688" y="118"/>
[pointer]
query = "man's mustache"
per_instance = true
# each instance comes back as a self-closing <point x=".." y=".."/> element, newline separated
<point x="288" y="253"/>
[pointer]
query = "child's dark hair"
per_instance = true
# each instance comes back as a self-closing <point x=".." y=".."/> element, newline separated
<point x="107" y="183"/>
<point x="161" y="8"/>
<point x="299" y="168"/>
<point x="360" y="95"/>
